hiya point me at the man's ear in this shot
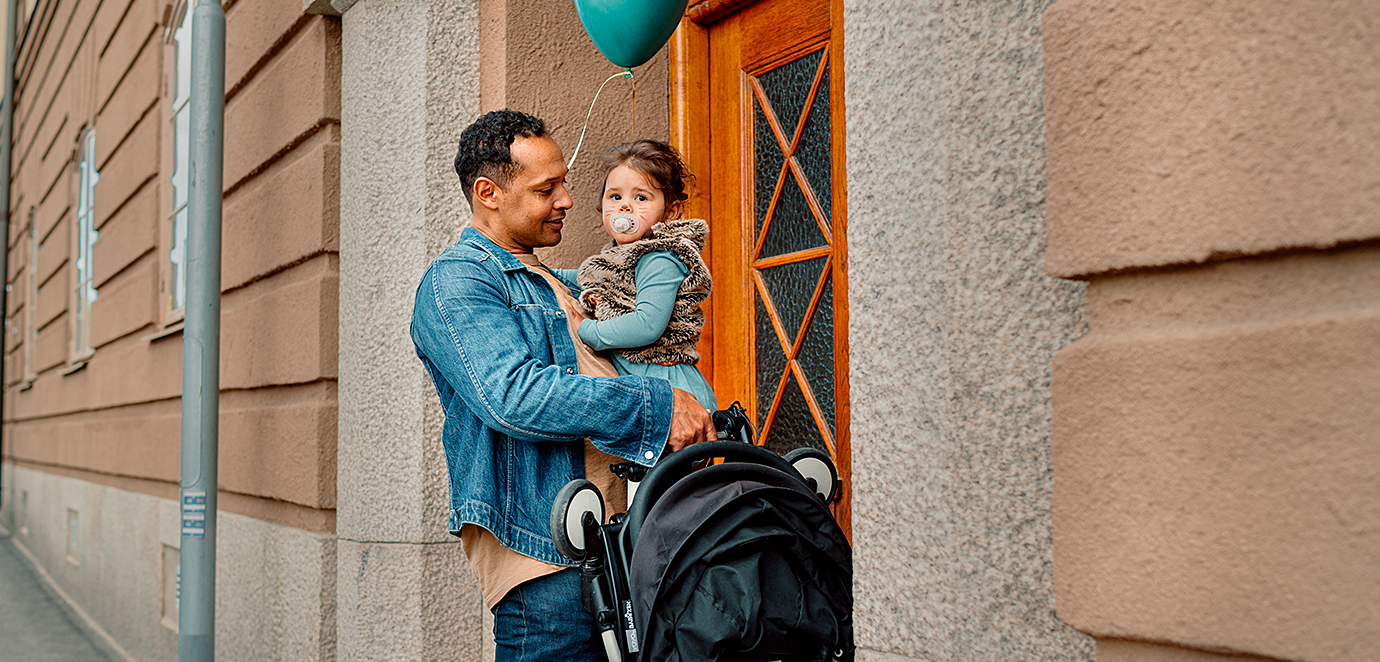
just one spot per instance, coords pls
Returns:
(487, 192)
(674, 212)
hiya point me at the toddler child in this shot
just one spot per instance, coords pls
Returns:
(646, 286)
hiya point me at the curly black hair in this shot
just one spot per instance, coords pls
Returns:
(485, 147)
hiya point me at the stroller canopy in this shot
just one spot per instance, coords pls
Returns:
(741, 561)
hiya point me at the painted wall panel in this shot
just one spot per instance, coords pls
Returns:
(129, 168)
(304, 186)
(127, 235)
(253, 30)
(1219, 487)
(132, 103)
(138, 38)
(286, 100)
(125, 304)
(281, 331)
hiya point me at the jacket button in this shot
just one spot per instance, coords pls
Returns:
(649, 455)
(569, 371)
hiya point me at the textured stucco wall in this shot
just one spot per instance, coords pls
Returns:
(411, 82)
(952, 328)
(535, 57)
(275, 585)
(409, 85)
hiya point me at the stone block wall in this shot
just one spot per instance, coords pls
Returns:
(105, 423)
(1214, 178)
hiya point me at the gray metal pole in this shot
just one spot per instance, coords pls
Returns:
(196, 623)
(6, 153)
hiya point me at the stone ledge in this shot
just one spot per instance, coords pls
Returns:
(1216, 488)
(1184, 132)
(327, 7)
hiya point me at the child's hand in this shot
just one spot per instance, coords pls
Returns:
(587, 302)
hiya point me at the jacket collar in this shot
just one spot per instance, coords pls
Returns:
(476, 239)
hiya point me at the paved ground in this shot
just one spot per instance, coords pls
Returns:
(33, 627)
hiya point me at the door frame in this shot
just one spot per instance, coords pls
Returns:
(690, 116)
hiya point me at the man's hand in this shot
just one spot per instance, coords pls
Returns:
(691, 423)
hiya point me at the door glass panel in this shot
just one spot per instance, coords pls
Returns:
(814, 151)
(817, 355)
(791, 286)
(771, 362)
(788, 88)
(767, 162)
(792, 226)
(794, 427)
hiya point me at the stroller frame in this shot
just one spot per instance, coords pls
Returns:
(604, 551)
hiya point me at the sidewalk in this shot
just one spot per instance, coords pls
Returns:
(33, 626)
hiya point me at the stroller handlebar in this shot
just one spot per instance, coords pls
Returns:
(676, 465)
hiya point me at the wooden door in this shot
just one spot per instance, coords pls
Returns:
(758, 106)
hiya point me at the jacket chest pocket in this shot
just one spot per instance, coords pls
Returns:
(546, 333)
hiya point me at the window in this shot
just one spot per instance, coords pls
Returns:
(86, 242)
(172, 585)
(24, 513)
(179, 159)
(29, 7)
(73, 529)
(31, 298)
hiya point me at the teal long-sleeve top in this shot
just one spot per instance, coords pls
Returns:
(658, 277)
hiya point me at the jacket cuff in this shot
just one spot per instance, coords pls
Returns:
(660, 405)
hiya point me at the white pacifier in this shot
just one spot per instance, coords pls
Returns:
(623, 223)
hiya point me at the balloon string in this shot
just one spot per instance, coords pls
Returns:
(626, 74)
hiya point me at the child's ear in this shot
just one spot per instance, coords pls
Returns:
(675, 210)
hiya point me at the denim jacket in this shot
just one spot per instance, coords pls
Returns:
(495, 341)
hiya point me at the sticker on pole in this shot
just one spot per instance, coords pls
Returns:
(630, 627)
(194, 513)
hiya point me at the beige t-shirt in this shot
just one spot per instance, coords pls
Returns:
(498, 568)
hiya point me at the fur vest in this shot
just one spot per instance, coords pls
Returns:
(612, 276)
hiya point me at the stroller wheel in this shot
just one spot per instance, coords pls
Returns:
(567, 514)
(817, 468)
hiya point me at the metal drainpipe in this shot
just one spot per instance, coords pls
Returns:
(6, 153)
(196, 622)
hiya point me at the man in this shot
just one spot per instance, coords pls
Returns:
(523, 413)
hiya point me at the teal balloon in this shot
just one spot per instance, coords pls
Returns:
(630, 32)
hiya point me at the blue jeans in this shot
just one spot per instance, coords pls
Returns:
(543, 620)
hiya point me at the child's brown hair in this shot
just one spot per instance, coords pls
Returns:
(655, 159)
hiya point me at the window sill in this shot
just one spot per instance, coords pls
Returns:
(175, 316)
(170, 330)
(27, 384)
(75, 366)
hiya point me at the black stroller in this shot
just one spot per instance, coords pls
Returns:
(739, 560)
